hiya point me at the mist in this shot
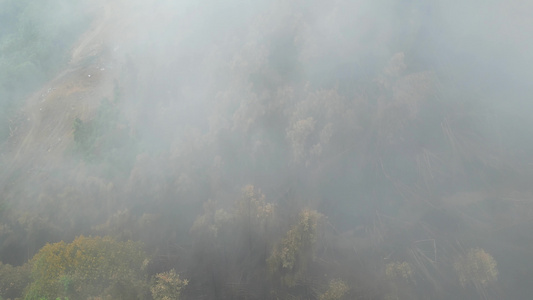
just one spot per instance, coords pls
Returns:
(266, 150)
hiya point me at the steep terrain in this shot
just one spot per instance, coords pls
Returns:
(273, 150)
(43, 129)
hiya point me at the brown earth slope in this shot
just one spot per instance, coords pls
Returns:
(43, 129)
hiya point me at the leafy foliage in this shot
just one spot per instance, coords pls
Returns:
(336, 290)
(211, 221)
(106, 138)
(167, 286)
(252, 206)
(477, 267)
(400, 276)
(291, 256)
(13, 280)
(89, 266)
(399, 271)
(303, 102)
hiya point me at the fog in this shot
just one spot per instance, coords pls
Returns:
(268, 149)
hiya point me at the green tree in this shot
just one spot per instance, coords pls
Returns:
(13, 280)
(89, 266)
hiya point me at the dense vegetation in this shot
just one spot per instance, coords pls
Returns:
(286, 150)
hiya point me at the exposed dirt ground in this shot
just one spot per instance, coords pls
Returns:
(42, 131)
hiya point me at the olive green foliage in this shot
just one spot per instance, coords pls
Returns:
(88, 136)
(252, 206)
(167, 286)
(89, 266)
(399, 271)
(13, 280)
(213, 219)
(106, 137)
(291, 256)
(337, 290)
(84, 136)
(400, 276)
(253, 214)
(477, 267)
(324, 104)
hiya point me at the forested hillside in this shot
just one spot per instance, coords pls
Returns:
(265, 150)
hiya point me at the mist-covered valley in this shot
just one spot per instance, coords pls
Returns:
(266, 150)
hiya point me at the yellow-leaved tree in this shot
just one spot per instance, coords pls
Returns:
(252, 216)
(290, 258)
(167, 286)
(477, 267)
(400, 276)
(337, 289)
(88, 267)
